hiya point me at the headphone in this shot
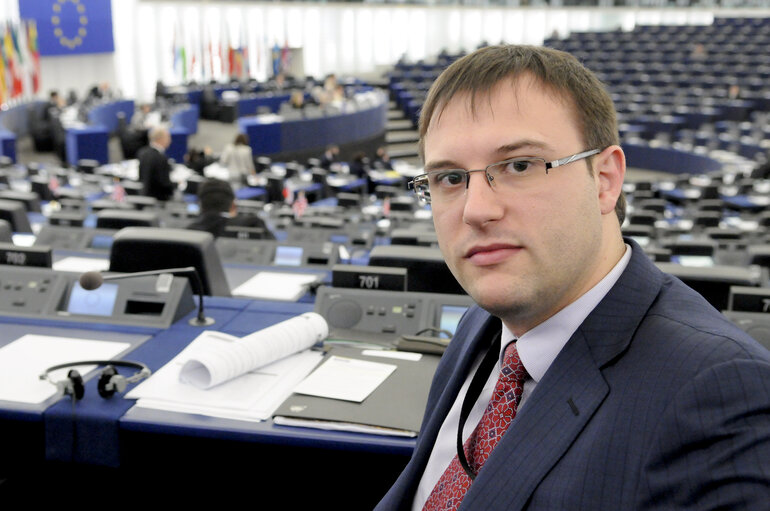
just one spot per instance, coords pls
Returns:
(109, 382)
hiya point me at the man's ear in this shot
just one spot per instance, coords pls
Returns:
(610, 168)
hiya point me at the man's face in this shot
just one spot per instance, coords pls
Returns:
(526, 253)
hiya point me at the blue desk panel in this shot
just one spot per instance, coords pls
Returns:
(186, 118)
(88, 142)
(668, 160)
(178, 147)
(8, 144)
(313, 133)
(107, 114)
(249, 105)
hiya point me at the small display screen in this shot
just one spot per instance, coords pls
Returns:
(101, 241)
(99, 302)
(288, 256)
(450, 316)
(693, 260)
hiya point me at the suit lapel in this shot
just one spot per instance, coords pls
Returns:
(567, 396)
(478, 331)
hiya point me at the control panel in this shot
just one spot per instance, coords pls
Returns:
(383, 316)
(49, 294)
(276, 253)
(80, 239)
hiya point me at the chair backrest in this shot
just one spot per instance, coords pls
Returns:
(15, 214)
(425, 266)
(154, 248)
(120, 218)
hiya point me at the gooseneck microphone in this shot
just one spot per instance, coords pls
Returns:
(91, 280)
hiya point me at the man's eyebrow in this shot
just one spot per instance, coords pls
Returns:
(441, 164)
(522, 144)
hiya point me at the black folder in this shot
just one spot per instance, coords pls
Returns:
(395, 407)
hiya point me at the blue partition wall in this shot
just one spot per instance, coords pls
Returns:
(278, 137)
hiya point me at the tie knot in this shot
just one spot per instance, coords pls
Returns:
(511, 365)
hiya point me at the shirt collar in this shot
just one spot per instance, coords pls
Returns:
(539, 347)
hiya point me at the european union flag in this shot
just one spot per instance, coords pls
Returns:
(67, 27)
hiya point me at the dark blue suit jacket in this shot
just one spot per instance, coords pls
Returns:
(671, 411)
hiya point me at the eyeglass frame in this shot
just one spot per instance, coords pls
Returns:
(548, 165)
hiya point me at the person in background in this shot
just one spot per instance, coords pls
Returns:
(382, 159)
(145, 118)
(584, 378)
(330, 156)
(199, 159)
(218, 210)
(154, 167)
(297, 99)
(238, 159)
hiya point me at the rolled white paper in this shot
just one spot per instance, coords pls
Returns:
(221, 358)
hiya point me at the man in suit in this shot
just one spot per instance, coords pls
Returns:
(219, 211)
(154, 167)
(586, 379)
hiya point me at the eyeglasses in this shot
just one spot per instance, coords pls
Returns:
(446, 185)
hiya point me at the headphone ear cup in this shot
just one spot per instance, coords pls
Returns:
(106, 385)
(77, 388)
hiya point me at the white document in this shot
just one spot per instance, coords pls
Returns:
(82, 264)
(253, 396)
(276, 285)
(25, 359)
(216, 358)
(342, 426)
(400, 355)
(345, 378)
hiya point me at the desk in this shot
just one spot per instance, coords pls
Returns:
(274, 136)
(106, 115)
(88, 142)
(153, 451)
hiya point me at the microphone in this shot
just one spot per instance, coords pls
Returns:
(91, 280)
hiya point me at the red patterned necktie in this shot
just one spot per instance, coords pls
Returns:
(454, 482)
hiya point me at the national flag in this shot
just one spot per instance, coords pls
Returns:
(299, 205)
(288, 194)
(276, 54)
(16, 85)
(34, 51)
(53, 184)
(211, 55)
(285, 57)
(118, 192)
(3, 83)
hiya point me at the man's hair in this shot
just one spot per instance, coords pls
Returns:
(156, 133)
(215, 195)
(559, 72)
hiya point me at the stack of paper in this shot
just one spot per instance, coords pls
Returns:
(242, 378)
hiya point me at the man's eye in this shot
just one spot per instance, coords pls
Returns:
(518, 166)
(449, 178)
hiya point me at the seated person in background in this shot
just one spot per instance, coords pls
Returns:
(359, 166)
(145, 118)
(297, 100)
(154, 167)
(218, 210)
(761, 171)
(382, 161)
(198, 159)
(238, 159)
(329, 156)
